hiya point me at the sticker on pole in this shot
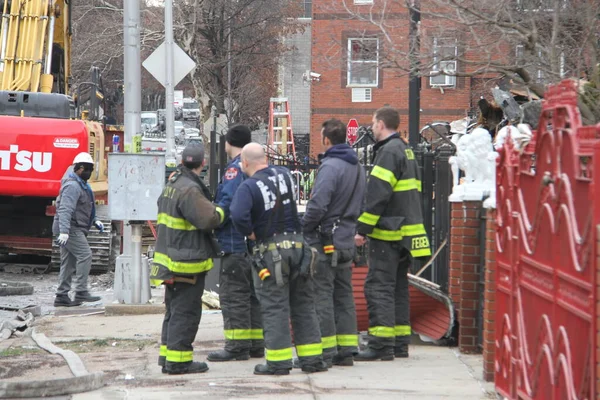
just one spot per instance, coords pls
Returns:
(352, 131)
(66, 143)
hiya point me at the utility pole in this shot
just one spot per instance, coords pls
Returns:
(229, 106)
(414, 87)
(169, 86)
(133, 89)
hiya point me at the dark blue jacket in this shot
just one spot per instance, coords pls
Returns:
(336, 185)
(230, 240)
(254, 201)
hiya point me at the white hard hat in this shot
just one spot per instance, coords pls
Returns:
(83, 158)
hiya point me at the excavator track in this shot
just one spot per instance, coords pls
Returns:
(105, 248)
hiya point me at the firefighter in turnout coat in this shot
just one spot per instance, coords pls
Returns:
(264, 210)
(241, 311)
(185, 248)
(329, 224)
(393, 221)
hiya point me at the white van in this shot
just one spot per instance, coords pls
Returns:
(149, 120)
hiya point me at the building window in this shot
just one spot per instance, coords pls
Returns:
(535, 64)
(363, 62)
(363, 1)
(540, 5)
(445, 53)
(307, 9)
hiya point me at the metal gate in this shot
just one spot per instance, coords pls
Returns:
(546, 257)
(433, 153)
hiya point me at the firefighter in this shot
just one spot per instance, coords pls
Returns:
(241, 310)
(393, 221)
(330, 224)
(185, 248)
(75, 215)
(264, 210)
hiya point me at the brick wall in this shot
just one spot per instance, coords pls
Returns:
(489, 310)
(331, 97)
(465, 266)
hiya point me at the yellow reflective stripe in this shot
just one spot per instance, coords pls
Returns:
(309, 350)
(388, 236)
(406, 230)
(183, 267)
(369, 219)
(347, 340)
(156, 282)
(404, 185)
(179, 356)
(384, 174)
(420, 253)
(402, 330)
(413, 230)
(163, 350)
(279, 355)
(328, 342)
(243, 334)
(179, 224)
(382, 331)
(256, 334)
(221, 214)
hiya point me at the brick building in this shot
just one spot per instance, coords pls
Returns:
(349, 53)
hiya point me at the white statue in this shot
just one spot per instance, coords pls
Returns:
(475, 156)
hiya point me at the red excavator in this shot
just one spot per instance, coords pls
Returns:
(42, 129)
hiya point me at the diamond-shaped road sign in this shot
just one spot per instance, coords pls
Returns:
(156, 65)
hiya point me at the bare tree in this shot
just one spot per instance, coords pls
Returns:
(241, 34)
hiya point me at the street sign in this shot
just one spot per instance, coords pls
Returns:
(156, 64)
(352, 131)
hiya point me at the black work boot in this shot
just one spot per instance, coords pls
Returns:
(86, 297)
(266, 369)
(319, 366)
(343, 360)
(257, 353)
(190, 367)
(63, 300)
(224, 355)
(162, 361)
(371, 354)
(401, 351)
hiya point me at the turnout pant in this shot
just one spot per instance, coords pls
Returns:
(386, 291)
(183, 302)
(335, 306)
(241, 310)
(75, 259)
(295, 299)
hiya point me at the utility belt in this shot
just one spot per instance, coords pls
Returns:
(304, 266)
(337, 258)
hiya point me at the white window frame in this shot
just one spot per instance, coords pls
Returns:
(521, 8)
(350, 62)
(436, 71)
(360, 2)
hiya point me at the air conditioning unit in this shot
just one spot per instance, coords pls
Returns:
(439, 78)
(361, 95)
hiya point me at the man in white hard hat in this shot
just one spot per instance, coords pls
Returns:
(75, 215)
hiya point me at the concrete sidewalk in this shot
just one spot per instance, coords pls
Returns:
(430, 373)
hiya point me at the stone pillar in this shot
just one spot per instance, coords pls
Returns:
(489, 307)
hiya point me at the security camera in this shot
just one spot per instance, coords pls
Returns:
(315, 75)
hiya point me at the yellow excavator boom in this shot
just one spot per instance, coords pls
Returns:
(35, 45)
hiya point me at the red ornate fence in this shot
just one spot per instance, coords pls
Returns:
(546, 257)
